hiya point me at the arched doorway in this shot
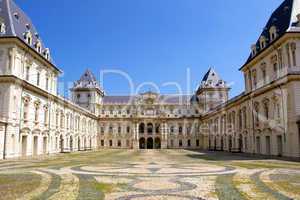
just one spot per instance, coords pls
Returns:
(150, 143)
(142, 143)
(157, 143)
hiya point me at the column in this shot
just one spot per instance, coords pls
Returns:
(136, 135)
(164, 135)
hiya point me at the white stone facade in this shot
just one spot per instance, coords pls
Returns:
(264, 119)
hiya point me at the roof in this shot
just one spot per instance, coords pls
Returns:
(87, 81)
(17, 24)
(212, 80)
(163, 99)
(284, 18)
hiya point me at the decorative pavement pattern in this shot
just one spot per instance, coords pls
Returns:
(149, 175)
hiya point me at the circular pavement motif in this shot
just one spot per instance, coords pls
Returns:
(154, 169)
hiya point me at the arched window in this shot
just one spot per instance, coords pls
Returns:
(47, 53)
(262, 41)
(38, 46)
(142, 128)
(180, 129)
(150, 128)
(253, 50)
(273, 33)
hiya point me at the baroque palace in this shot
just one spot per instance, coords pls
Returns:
(264, 119)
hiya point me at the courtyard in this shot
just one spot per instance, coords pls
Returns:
(149, 174)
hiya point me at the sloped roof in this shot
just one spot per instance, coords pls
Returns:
(17, 24)
(87, 81)
(284, 18)
(212, 80)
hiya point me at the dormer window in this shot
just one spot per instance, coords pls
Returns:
(2, 28)
(28, 26)
(262, 41)
(273, 33)
(253, 50)
(16, 16)
(28, 37)
(38, 46)
(47, 53)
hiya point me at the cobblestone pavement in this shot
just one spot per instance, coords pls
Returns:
(149, 174)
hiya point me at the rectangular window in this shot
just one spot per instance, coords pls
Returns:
(36, 116)
(189, 143)
(102, 143)
(110, 143)
(47, 84)
(27, 73)
(38, 78)
(46, 117)
(119, 143)
(197, 143)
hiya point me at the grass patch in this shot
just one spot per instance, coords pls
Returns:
(257, 165)
(225, 188)
(14, 186)
(288, 182)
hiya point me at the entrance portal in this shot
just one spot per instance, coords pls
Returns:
(157, 143)
(35, 145)
(24, 146)
(150, 143)
(142, 143)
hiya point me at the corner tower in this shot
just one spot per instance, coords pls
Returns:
(212, 91)
(87, 93)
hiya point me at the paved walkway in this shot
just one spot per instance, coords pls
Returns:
(149, 174)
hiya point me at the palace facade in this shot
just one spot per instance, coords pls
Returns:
(264, 119)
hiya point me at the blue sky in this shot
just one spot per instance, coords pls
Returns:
(151, 40)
